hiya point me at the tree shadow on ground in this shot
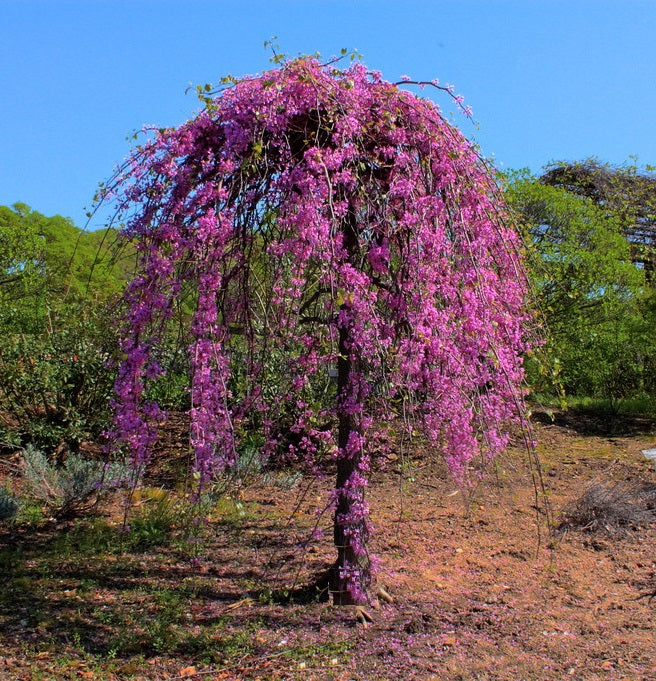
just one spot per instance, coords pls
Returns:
(596, 423)
(67, 587)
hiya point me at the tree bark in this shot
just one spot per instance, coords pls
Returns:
(348, 365)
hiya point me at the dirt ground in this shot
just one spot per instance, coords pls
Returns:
(481, 589)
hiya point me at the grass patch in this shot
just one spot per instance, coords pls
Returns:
(633, 406)
(92, 592)
(641, 406)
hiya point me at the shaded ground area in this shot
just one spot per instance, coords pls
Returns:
(594, 422)
(481, 590)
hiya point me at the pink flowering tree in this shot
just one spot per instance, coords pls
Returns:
(323, 222)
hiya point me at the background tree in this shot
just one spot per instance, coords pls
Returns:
(22, 268)
(625, 194)
(592, 294)
(55, 283)
(47, 263)
(319, 218)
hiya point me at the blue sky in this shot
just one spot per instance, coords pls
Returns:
(547, 80)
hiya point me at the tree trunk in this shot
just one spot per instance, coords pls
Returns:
(351, 572)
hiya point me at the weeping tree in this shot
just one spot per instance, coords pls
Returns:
(322, 222)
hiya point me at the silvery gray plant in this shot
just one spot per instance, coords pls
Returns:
(71, 487)
(9, 505)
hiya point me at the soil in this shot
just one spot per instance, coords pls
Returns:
(480, 587)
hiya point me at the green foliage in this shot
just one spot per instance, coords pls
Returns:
(48, 262)
(171, 391)
(55, 331)
(632, 406)
(592, 295)
(580, 258)
(626, 192)
(150, 525)
(154, 521)
(55, 387)
(22, 269)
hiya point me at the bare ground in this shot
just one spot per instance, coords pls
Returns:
(480, 588)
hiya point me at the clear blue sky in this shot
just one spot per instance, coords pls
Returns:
(547, 79)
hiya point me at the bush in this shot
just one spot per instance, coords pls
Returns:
(611, 508)
(171, 390)
(9, 505)
(70, 489)
(55, 387)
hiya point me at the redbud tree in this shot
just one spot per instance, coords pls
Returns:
(323, 221)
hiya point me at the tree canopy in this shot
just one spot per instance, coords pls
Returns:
(625, 193)
(592, 293)
(46, 261)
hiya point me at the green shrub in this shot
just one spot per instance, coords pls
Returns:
(171, 391)
(55, 387)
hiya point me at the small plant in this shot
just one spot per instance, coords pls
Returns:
(611, 508)
(9, 505)
(69, 489)
(252, 466)
(156, 518)
(88, 538)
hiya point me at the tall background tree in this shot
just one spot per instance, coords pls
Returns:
(22, 269)
(625, 194)
(590, 232)
(315, 218)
